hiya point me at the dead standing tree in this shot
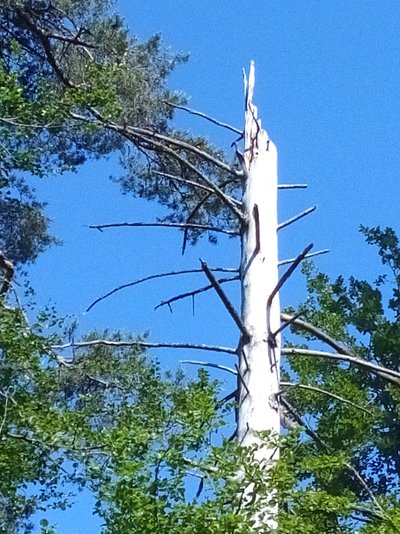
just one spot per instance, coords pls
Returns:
(259, 323)
(261, 408)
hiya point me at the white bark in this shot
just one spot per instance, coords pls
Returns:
(259, 359)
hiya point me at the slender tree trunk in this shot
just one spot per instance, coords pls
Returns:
(260, 349)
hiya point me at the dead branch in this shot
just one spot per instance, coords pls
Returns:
(194, 292)
(280, 283)
(289, 272)
(324, 392)
(291, 260)
(318, 333)
(210, 364)
(384, 372)
(338, 346)
(227, 303)
(287, 323)
(296, 218)
(141, 344)
(153, 277)
(292, 186)
(165, 225)
(204, 116)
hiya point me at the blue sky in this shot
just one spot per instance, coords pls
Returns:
(328, 93)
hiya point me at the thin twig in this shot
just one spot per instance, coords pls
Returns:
(296, 218)
(190, 218)
(164, 225)
(194, 292)
(153, 277)
(291, 260)
(204, 116)
(227, 303)
(324, 392)
(210, 364)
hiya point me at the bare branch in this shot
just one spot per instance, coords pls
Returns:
(296, 218)
(384, 372)
(194, 292)
(227, 303)
(280, 283)
(165, 225)
(324, 392)
(318, 333)
(204, 116)
(287, 323)
(289, 273)
(12, 122)
(142, 344)
(153, 277)
(292, 186)
(291, 260)
(210, 364)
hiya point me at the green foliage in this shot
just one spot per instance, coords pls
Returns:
(348, 457)
(61, 65)
(105, 418)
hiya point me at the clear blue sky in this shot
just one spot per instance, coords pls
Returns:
(328, 92)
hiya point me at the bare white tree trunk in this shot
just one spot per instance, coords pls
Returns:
(260, 348)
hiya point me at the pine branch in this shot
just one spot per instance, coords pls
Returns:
(153, 145)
